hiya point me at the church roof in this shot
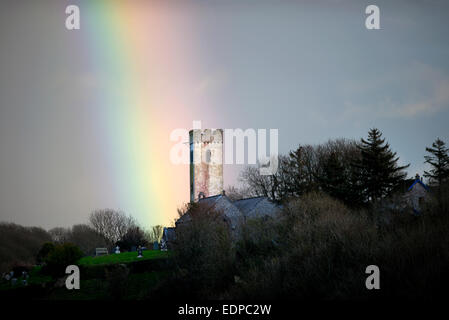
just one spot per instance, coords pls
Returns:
(239, 209)
(418, 180)
(257, 207)
(210, 200)
(248, 204)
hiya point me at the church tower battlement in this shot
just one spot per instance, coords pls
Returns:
(206, 163)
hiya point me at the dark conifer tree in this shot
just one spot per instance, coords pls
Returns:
(439, 162)
(332, 178)
(379, 170)
(340, 180)
(300, 173)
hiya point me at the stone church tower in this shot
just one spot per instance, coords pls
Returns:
(206, 163)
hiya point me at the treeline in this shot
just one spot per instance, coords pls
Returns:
(107, 228)
(333, 224)
(355, 172)
(19, 245)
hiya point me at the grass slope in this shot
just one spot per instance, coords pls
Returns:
(122, 257)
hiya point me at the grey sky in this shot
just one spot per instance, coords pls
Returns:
(311, 70)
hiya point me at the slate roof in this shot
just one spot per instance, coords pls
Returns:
(211, 201)
(256, 207)
(222, 203)
(417, 180)
(238, 210)
(246, 205)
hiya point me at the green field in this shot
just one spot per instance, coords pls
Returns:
(137, 285)
(123, 257)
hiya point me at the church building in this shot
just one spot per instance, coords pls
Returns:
(206, 184)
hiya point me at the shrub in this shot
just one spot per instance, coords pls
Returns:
(60, 257)
(133, 237)
(323, 250)
(203, 251)
(45, 250)
(313, 244)
(317, 248)
(117, 280)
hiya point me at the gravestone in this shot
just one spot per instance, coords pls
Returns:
(163, 245)
(155, 245)
(117, 250)
(139, 252)
(101, 251)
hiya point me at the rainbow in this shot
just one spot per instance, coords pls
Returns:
(140, 55)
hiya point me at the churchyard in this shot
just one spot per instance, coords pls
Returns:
(102, 277)
(123, 257)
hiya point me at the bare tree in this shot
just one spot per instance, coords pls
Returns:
(302, 171)
(271, 186)
(86, 238)
(236, 193)
(111, 224)
(155, 234)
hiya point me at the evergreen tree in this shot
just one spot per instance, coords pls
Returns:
(340, 180)
(439, 161)
(299, 168)
(332, 179)
(379, 170)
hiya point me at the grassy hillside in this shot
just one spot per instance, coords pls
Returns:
(100, 278)
(124, 257)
